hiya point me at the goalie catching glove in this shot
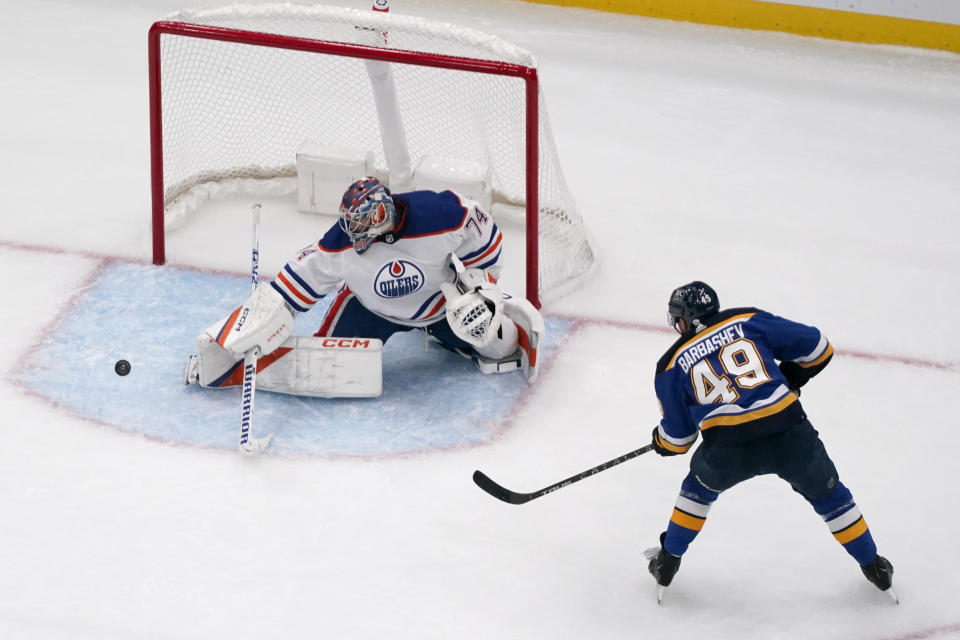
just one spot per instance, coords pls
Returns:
(264, 321)
(504, 331)
(474, 307)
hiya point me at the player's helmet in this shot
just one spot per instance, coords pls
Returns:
(366, 211)
(693, 302)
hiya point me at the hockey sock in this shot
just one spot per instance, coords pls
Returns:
(689, 515)
(847, 525)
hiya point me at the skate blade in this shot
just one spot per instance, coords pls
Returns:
(893, 596)
(661, 591)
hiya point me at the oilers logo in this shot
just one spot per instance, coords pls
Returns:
(397, 279)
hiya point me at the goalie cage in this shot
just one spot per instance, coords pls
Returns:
(236, 91)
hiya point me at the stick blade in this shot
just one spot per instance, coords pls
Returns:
(500, 493)
(255, 446)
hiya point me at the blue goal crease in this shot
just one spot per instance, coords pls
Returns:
(151, 316)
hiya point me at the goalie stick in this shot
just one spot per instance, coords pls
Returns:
(248, 445)
(514, 497)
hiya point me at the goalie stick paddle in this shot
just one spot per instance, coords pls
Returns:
(483, 481)
(248, 445)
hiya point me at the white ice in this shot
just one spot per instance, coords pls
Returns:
(813, 178)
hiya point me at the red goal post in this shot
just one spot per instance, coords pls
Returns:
(235, 91)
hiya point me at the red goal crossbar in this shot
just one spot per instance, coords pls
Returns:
(527, 74)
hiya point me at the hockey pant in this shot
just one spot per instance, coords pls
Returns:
(798, 456)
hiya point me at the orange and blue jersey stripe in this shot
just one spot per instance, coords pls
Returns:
(431, 307)
(294, 290)
(335, 311)
(487, 255)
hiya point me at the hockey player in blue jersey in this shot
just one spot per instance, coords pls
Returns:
(721, 379)
(420, 260)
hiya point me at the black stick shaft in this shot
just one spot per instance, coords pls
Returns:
(513, 497)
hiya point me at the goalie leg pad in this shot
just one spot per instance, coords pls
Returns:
(214, 366)
(530, 331)
(327, 368)
(303, 366)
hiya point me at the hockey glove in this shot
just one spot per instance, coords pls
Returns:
(798, 375)
(658, 445)
(263, 321)
(795, 374)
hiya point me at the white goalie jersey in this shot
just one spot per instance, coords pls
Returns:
(399, 276)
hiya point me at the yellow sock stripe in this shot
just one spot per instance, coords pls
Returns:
(686, 520)
(852, 532)
(800, 20)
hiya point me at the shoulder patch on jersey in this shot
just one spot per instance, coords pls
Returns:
(306, 251)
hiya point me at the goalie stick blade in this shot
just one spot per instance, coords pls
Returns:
(255, 446)
(500, 493)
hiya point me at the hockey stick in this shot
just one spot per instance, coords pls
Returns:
(248, 445)
(514, 497)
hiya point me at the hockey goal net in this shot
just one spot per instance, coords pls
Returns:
(235, 92)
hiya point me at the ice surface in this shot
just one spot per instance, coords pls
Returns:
(156, 323)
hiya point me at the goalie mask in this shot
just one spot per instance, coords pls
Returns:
(692, 303)
(366, 212)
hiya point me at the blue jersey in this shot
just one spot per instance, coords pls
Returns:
(725, 380)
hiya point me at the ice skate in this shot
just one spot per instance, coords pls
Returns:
(663, 566)
(879, 572)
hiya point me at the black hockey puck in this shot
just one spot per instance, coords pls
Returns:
(122, 367)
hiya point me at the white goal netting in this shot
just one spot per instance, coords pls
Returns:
(240, 88)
